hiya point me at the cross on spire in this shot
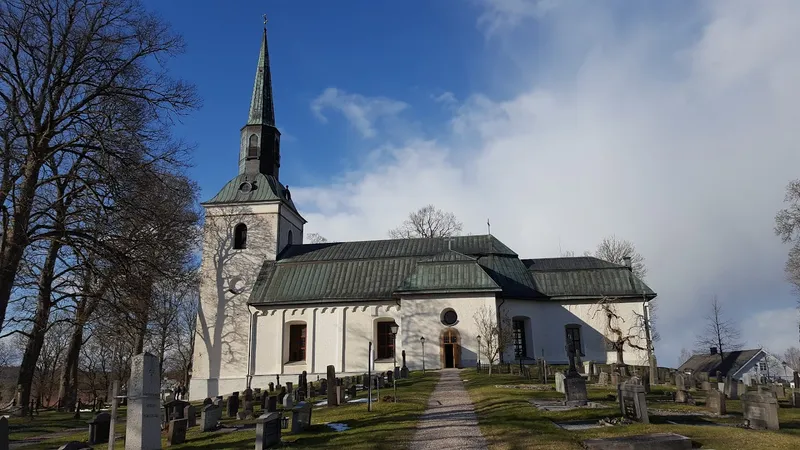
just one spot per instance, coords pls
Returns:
(265, 20)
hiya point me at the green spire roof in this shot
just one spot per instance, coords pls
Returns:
(262, 110)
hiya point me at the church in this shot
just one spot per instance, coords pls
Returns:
(271, 305)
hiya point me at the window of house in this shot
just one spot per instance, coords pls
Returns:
(297, 342)
(252, 146)
(385, 340)
(240, 236)
(519, 339)
(574, 336)
(762, 366)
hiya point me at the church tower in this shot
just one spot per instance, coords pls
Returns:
(250, 221)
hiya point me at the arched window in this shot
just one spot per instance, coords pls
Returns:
(290, 237)
(386, 339)
(240, 236)
(252, 146)
(573, 331)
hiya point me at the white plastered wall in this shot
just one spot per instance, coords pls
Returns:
(547, 334)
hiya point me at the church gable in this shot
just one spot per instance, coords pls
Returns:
(448, 272)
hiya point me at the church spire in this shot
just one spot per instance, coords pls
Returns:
(260, 150)
(262, 110)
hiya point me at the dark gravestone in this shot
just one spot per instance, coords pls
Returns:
(268, 430)
(333, 399)
(301, 417)
(795, 399)
(99, 428)
(632, 402)
(177, 432)
(351, 391)
(190, 414)
(4, 439)
(281, 395)
(272, 403)
(233, 405)
(404, 369)
(654, 441)
(210, 417)
(271, 387)
(389, 376)
(797, 380)
(174, 409)
(574, 385)
(761, 410)
(207, 401)
(323, 387)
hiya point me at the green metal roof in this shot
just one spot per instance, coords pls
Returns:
(446, 273)
(262, 110)
(263, 188)
(384, 269)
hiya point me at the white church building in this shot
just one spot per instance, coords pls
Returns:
(273, 306)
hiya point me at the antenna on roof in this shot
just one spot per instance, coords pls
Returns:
(488, 226)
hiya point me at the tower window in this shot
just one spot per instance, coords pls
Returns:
(240, 236)
(252, 146)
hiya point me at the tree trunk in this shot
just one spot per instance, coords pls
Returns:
(17, 239)
(41, 318)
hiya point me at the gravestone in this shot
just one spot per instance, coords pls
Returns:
(323, 387)
(682, 396)
(680, 382)
(143, 427)
(288, 399)
(779, 390)
(333, 399)
(190, 414)
(574, 385)
(715, 402)
(210, 416)
(614, 378)
(404, 369)
(653, 441)
(797, 380)
(603, 380)
(207, 401)
(272, 403)
(271, 387)
(174, 409)
(732, 389)
(218, 401)
(646, 382)
(352, 391)
(268, 430)
(761, 410)
(632, 402)
(301, 417)
(233, 405)
(795, 399)
(4, 439)
(340, 394)
(588, 368)
(706, 386)
(389, 376)
(560, 382)
(99, 428)
(281, 395)
(177, 432)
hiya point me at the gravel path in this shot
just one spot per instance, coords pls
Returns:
(449, 421)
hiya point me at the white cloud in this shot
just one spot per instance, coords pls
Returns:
(362, 112)
(684, 151)
(505, 14)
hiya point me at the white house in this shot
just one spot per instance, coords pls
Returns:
(273, 306)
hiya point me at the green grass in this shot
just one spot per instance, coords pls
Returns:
(389, 425)
(508, 421)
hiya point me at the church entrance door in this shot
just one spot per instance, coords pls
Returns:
(450, 349)
(448, 356)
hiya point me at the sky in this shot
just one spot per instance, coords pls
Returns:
(669, 124)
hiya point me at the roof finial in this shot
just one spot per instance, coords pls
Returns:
(489, 226)
(265, 21)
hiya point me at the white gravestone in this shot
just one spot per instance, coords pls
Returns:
(143, 429)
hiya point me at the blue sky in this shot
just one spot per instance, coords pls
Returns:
(670, 124)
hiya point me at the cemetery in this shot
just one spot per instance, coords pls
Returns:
(259, 418)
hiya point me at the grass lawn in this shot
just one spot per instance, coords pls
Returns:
(508, 421)
(389, 425)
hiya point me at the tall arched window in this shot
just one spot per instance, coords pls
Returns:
(290, 237)
(252, 146)
(240, 236)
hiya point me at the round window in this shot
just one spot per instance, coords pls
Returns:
(236, 285)
(449, 317)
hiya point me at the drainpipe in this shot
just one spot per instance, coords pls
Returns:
(251, 336)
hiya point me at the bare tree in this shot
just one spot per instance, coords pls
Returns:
(719, 332)
(685, 355)
(787, 227)
(615, 250)
(428, 222)
(792, 358)
(86, 79)
(619, 332)
(495, 331)
(315, 238)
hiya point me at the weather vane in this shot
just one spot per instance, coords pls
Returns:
(265, 19)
